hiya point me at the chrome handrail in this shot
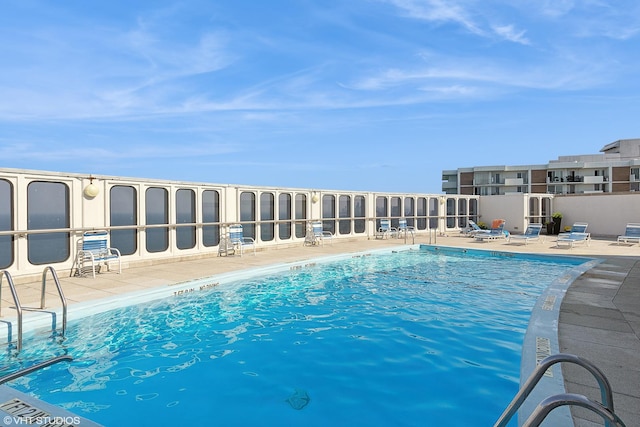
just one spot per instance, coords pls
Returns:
(18, 307)
(35, 367)
(536, 375)
(553, 402)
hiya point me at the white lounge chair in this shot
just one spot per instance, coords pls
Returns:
(577, 227)
(386, 230)
(316, 235)
(531, 234)
(497, 232)
(572, 239)
(471, 229)
(239, 240)
(404, 229)
(94, 249)
(631, 234)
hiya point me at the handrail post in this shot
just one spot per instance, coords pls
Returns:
(63, 300)
(16, 301)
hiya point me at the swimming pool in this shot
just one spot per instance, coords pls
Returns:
(411, 338)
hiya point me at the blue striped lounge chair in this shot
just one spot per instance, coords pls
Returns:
(239, 240)
(531, 234)
(631, 234)
(316, 235)
(93, 250)
(497, 232)
(572, 239)
(577, 227)
(405, 229)
(385, 230)
(471, 229)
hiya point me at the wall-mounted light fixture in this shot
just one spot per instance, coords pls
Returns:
(91, 190)
(314, 197)
(443, 199)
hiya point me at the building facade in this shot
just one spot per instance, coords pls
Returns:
(616, 169)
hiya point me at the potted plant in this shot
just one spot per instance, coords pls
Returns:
(557, 221)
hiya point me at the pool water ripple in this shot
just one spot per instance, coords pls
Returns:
(405, 339)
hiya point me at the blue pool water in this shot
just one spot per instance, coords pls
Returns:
(416, 338)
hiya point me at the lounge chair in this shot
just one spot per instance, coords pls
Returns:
(577, 227)
(531, 234)
(386, 230)
(471, 229)
(94, 249)
(239, 240)
(497, 232)
(571, 239)
(316, 235)
(404, 229)
(631, 234)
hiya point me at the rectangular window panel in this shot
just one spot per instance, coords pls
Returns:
(210, 213)
(284, 214)
(248, 213)
(123, 211)
(6, 224)
(329, 213)
(344, 211)
(185, 214)
(48, 208)
(267, 213)
(421, 213)
(396, 210)
(409, 210)
(157, 212)
(301, 215)
(359, 211)
(381, 209)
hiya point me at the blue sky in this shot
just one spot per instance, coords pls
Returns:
(377, 95)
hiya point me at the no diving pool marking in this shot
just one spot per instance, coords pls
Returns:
(199, 288)
(543, 349)
(23, 410)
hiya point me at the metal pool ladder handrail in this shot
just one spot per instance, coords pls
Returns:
(537, 374)
(63, 300)
(18, 307)
(550, 403)
(35, 367)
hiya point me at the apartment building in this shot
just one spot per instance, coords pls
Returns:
(616, 169)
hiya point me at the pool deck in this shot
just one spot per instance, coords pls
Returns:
(599, 316)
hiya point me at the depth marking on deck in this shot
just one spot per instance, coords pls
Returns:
(543, 349)
(549, 302)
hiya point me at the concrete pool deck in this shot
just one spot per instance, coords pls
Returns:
(599, 316)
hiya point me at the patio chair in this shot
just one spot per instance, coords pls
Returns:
(577, 227)
(386, 230)
(497, 232)
(405, 229)
(94, 249)
(572, 239)
(316, 234)
(471, 229)
(239, 240)
(531, 234)
(631, 234)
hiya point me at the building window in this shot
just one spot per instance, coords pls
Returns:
(359, 211)
(123, 211)
(248, 214)
(329, 213)
(6, 223)
(344, 211)
(301, 215)
(267, 215)
(185, 214)
(421, 212)
(157, 212)
(47, 209)
(381, 209)
(210, 214)
(396, 210)
(284, 214)
(409, 211)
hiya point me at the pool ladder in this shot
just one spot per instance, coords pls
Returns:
(604, 409)
(19, 308)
